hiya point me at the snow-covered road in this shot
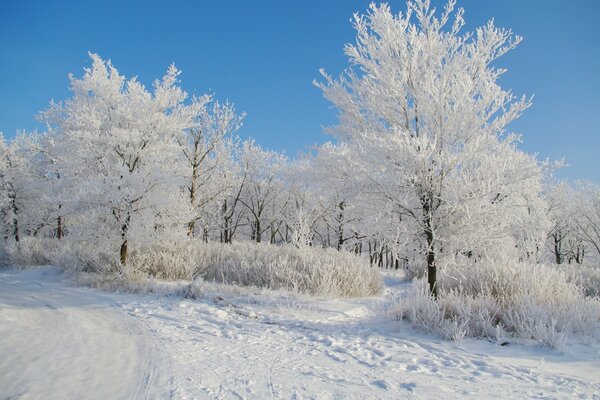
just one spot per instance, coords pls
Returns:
(63, 342)
(60, 341)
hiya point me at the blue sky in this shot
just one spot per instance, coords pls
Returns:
(263, 56)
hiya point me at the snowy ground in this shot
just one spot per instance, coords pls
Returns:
(60, 341)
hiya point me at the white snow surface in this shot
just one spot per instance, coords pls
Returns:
(63, 341)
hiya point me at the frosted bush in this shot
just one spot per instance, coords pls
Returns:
(310, 270)
(133, 282)
(585, 276)
(29, 251)
(84, 257)
(521, 300)
(70, 255)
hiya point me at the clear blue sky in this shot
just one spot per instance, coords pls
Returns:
(263, 55)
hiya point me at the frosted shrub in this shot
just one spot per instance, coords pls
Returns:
(168, 261)
(585, 276)
(29, 251)
(527, 301)
(82, 256)
(70, 255)
(307, 270)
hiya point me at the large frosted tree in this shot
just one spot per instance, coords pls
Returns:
(118, 154)
(425, 122)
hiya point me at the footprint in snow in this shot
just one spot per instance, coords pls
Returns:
(380, 383)
(408, 386)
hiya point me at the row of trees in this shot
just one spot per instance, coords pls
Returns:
(423, 171)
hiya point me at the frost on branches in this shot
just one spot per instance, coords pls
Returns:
(125, 155)
(425, 123)
(424, 173)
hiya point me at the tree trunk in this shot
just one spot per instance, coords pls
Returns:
(225, 230)
(431, 268)
(59, 225)
(59, 228)
(123, 256)
(124, 229)
(16, 229)
(579, 255)
(431, 257)
(340, 226)
(257, 235)
(557, 250)
(15, 210)
(193, 188)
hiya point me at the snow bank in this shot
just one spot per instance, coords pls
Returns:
(500, 300)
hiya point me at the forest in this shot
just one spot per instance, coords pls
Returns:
(422, 173)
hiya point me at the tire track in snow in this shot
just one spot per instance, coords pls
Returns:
(63, 342)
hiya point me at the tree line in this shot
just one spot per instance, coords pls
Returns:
(422, 169)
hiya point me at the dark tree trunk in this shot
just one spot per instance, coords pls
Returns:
(431, 267)
(257, 233)
(123, 252)
(16, 229)
(123, 255)
(225, 230)
(59, 228)
(195, 165)
(15, 210)
(341, 226)
(59, 225)
(557, 249)
(431, 256)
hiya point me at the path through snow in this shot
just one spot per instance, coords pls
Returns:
(64, 342)
(235, 344)
(250, 346)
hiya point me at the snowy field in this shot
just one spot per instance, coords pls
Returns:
(62, 341)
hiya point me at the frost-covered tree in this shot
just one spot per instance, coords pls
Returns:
(229, 212)
(23, 207)
(574, 212)
(425, 122)
(118, 154)
(588, 220)
(206, 148)
(333, 181)
(563, 240)
(263, 170)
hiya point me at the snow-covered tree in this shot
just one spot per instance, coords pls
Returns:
(118, 154)
(23, 208)
(425, 122)
(574, 212)
(563, 241)
(263, 188)
(333, 181)
(588, 220)
(206, 149)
